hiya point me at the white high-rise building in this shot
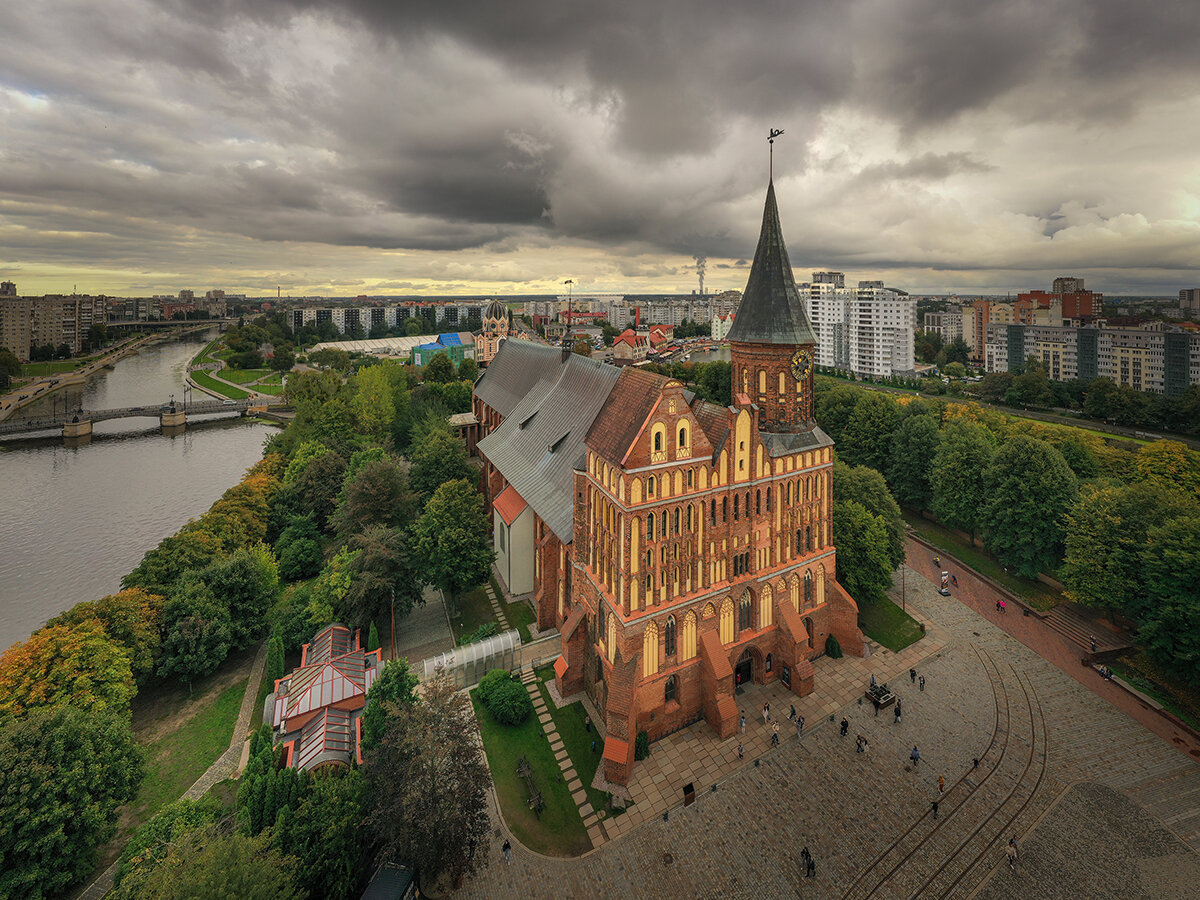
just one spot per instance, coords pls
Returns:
(827, 302)
(880, 327)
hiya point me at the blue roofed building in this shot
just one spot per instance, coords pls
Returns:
(458, 345)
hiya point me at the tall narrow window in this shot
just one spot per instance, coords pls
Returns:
(758, 503)
(669, 636)
(669, 689)
(662, 521)
(690, 477)
(713, 511)
(745, 613)
(650, 527)
(650, 486)
(808, 588)
(657, 441)
(724, 509)
(675, 519)
(735, 507)
(683, 438)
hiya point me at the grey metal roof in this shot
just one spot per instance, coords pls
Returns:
(517, 367)
(539, 444)
(790, 442)
(771, 311)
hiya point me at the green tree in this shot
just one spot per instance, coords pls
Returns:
(835, 404)
(395, 686)
(452, 539)
(150, 842)
(994, 386)
(429, 765)
(208, 862)
(1169, 464)
(468, 371)
(324, 833)
(283, 359)
(439, 370)
(198, 633)
(1106, 534)
(866, 487)
(373, 404)
(373, 637)
(190, 548)
(130, 620)
(1031, 387)
(379, 494)
(911, 464)
(439, 457)
(1029, 488)
(863, 566)
(330, 587)
(867, 440)
(9, 364)
(714, 382)
(299, 549)
(958, 475)
(383, 575)
(275, 664)
(247, 583)
(318, 485)
(1171, 623)
(76, 665)
(64, 772)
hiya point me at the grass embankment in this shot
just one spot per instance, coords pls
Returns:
(1038, 595)
(889, 625)
(1137, 668)
(207, 381)
(559, 830)
(570, 721)
(52, 367)
(244, 376)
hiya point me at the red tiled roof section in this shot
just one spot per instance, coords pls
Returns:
(572, 622)
(510, 505)
(714, 421)
(623, 414)
(616, 750)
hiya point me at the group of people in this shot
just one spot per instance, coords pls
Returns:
(1001, 606)
(861, 745)
(1106, 673)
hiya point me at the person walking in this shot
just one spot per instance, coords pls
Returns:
(792, 713)
(912, 675)
(741, 749)
(1011, 851)
(858, 742)
(997, 605)
(799, 727)
(975, 762)
(766, 713)
(507, 848)
(941, 785)
(742, 723)
(1012, 842)
(872, 679)
(915, 756)
(896, 713)
(811, 870)
(774, 734)
(921, 682)
(845, 726)
(935, 809)
(1092, 640)
(1003, 606)
(805, 856)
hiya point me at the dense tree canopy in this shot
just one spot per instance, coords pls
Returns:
(377, 494)
(63, 774)
(958, 475)
(74, 664)
(130, 620)
(1170, 624)
(911, 464)
(1029, 489)
(198, 632)
(439, 369)
(429, 765)
(867, 440)
(326, 836)
(866, 487)
(863, 565)
(438, 457)
(452, 538)
(396, 684)
(384, 575)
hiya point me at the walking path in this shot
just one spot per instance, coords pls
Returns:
(497, 606)
(227, 765)
(1052, 756)
(426, 630)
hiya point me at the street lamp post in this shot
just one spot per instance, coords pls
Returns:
(393, 592)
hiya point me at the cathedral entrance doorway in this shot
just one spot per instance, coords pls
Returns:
(743, 672)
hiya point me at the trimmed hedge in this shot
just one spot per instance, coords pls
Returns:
(832, 648)
(509, 703)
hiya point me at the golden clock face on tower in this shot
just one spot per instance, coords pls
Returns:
(802, 363)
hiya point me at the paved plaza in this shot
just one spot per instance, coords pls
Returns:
(1100, 806)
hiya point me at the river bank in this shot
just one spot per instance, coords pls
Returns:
(77, 519)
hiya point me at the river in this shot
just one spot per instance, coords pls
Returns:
(75, 520)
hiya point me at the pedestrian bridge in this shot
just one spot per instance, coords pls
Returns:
(170, 415)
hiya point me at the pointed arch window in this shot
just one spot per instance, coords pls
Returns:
(650, 484)
(669, 636)
(650, 527)
(745, 612)
(735, 507)
(669, 689)
(658, 442)
(675, 520)
(758, 503)
(808, 588)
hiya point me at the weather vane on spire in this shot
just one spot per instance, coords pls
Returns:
(775, 132)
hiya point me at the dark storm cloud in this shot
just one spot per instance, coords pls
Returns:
(633, 127)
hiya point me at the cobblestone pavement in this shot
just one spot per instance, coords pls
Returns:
(426, 631)
(867, 817)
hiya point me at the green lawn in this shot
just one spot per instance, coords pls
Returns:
(51, 367)
(559, 830)
(205, 380)
(244, 376)
(176, 759)
(889, 625)
(577, 741)
(1038, 595)
(1137, 668)
(520, 616)
(474, 609)
(273, 389)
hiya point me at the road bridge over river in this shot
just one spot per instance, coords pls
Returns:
(170, 415)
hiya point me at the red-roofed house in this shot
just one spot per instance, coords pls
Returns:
(629, 347)
(514, 540)
(315, 710)
(659, 336)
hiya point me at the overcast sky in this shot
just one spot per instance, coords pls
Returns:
(411, 146)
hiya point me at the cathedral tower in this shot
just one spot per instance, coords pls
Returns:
(772, 341)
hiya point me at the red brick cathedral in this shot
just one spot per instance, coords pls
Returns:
(679, 547)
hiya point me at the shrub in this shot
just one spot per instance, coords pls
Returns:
(509, 703)
(373, 638)
(488, 684)
(832, 648)
(641, 746)
(486, 630)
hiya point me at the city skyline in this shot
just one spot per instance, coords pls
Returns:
(360, 149)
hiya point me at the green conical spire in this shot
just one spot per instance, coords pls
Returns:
(771, 311)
